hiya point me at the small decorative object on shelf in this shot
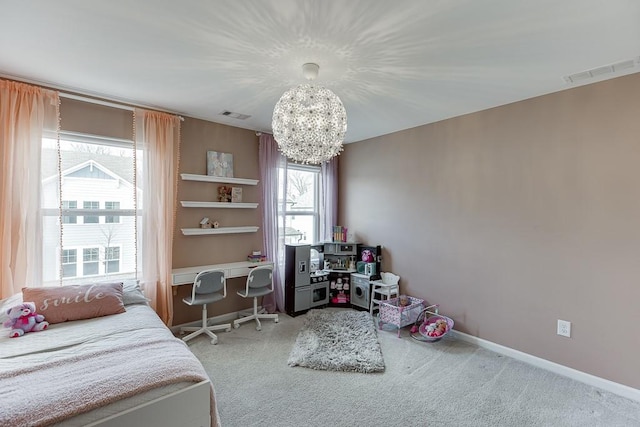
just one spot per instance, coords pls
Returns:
(219, 164)
(224, 193)
(236, 194)
(205, 223)
(256, 256)
(216, 224)
(339, 233)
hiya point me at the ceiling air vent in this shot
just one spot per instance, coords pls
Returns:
(235, 115)
(601, 71)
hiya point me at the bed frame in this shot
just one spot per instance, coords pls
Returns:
(189, 407)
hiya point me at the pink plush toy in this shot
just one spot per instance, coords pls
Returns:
(23, 318)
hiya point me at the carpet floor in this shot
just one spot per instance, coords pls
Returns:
(447, 383)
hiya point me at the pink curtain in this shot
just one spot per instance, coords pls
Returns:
(270, 161)
(158, 134)
(25, 113)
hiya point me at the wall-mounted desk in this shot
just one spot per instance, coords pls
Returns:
(186, 275)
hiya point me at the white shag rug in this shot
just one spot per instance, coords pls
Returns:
(338, 341)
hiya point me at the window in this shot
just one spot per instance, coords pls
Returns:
(112, 260)
(95, 179)
(90, 261)
(69, 204)
(300, 222)
(69, 262)
(111, 219)
(91, 219)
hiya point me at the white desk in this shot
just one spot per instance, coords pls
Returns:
(186, 275)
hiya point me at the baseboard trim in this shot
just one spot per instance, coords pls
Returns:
(583, 377)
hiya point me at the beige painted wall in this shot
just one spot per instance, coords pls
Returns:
(514, 217)
(198, 137)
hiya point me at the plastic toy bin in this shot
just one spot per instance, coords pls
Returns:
(400, 316)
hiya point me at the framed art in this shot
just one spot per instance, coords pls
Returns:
(219, 164)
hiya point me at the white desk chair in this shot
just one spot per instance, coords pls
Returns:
(259, 283)
(209, 286)
(387, 287)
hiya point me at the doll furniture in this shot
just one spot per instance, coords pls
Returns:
(386, 288)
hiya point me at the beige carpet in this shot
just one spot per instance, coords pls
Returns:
(448, 383)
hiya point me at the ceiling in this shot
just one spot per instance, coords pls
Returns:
(395, 64)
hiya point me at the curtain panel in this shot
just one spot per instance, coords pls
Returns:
(26, 112)
(271, 162)
(158, 135)
(328, 198)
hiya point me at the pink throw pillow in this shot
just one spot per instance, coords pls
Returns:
(75, 302)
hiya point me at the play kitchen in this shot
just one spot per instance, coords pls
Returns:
(329, 274)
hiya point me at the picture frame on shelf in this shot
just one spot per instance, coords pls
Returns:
(236, 194)
(219, 164)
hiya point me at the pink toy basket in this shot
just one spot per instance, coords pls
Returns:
(391, 312)
(428, 316)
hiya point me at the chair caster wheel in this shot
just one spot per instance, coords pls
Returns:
(258, 328)
(276, 320)
(236, 326)
(228, 330)
(214, 342)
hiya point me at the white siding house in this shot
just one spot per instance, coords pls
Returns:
(94, 244)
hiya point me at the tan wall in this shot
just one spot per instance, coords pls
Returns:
(198, 137)
(514, 217)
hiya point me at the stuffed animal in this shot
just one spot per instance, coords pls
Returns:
(23, 318)
(367, 255)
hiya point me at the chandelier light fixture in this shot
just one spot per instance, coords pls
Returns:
(309, 121)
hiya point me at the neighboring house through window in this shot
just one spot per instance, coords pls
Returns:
(69, 204)
(91, 219)
(111, 219)
(90, 261)
(96, 184)
(69, 263)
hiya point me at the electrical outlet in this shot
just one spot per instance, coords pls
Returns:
(564, 328)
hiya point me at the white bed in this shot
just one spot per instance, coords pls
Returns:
(125, 369)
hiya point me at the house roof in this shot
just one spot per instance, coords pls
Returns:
(70, 159)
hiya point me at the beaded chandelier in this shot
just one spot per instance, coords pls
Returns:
(309, 121)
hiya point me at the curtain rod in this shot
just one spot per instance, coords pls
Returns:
(101, 102)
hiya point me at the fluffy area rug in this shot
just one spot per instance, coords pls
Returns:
(338, 341)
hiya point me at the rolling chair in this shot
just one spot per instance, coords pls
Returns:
(209, 286)
(259, 283)
(387, 287)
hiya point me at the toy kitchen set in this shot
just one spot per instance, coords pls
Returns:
(333, 274)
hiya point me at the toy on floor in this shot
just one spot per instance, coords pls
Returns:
(23, 318)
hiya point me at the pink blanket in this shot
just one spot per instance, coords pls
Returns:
(47, 393)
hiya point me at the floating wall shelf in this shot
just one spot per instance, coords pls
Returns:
(228, 205)
(220, 179)
(221, 230)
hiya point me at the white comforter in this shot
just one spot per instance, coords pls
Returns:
(74, 367)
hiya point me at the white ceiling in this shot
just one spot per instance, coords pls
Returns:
(395, 64)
